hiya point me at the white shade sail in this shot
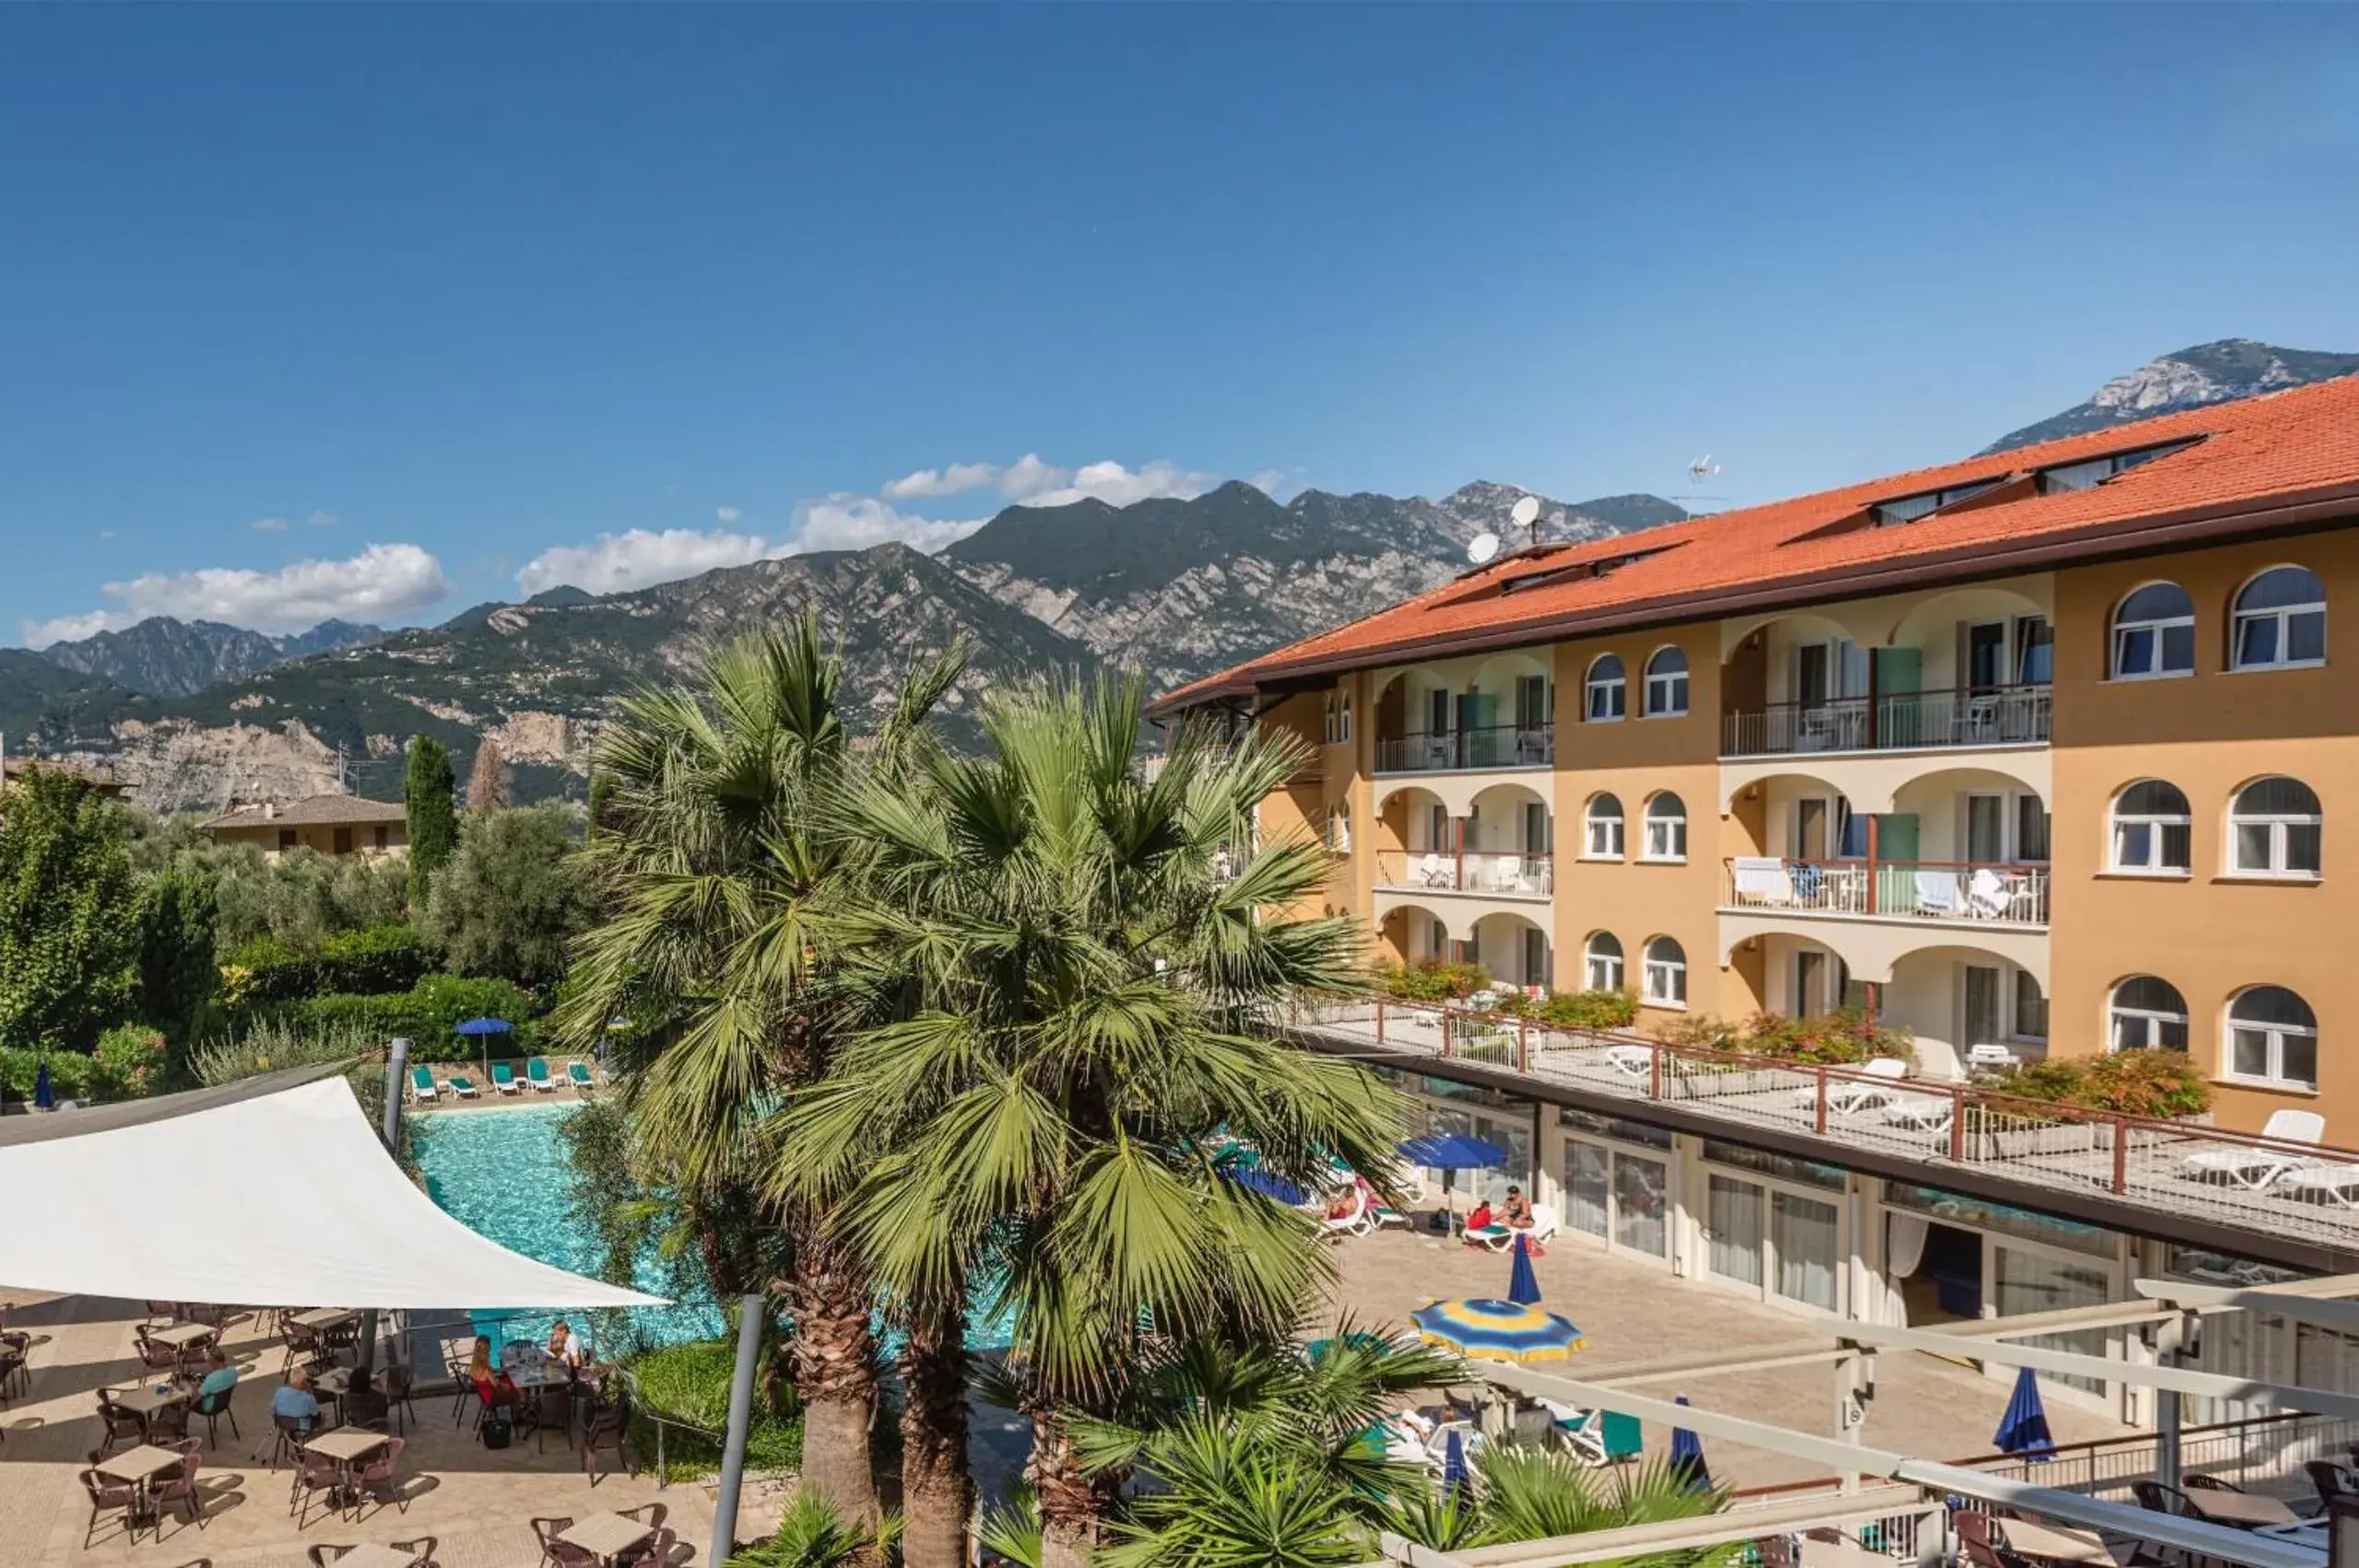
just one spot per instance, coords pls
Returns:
(250, 1196)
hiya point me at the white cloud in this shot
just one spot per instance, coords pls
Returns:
(952, 481)
(383, 582)
(1028, 476)
(616, 563)
(322, 520)
(729, 514)
(1117, 486)
(856, 522)
(268, 525)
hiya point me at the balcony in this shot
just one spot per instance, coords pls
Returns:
(1511, 874)
(1443, 751)
(1948, 892)
(1975, 716)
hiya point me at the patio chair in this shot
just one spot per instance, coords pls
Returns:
(1921, 1113)
(167, 1311)
(1761, 879)
(2332, 1480)
(421, 1086)
(2156, 1498)
(1985, 895)
(1631, 1061)
(1581, 1432)
(1981, 1548)
(607, 1429)
(213, 1407)
(168, 1424)
(462, 1086)
(290, 1440)
(655, 1554)
(314, 1474)
(504, 1078)
(375, 1476)
(107, 1494)
(578, 1075)
(301, 1340)
(394, 1382)
(2256, 1168)
(1848, 1096)
(323, 1554)
(1384, 1216)
(555, 1554)
(12, 1366)
(179, 1486)
(1937, 893)
(537, 1073)
(125, 1426)
(651, 1515)
(421, 1551)
(159, 1356)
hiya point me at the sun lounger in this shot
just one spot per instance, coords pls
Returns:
(2246, 1167)
(421, 1085)
(578, 1075)
(1355, 1221)
(504, 1078)
(1631, 1061)
(1385, 1217)
(1849, 1096)
(1921, 1113)
(462, 1086)
(2321, 1183)
(1499, 1238)
(537, 1074)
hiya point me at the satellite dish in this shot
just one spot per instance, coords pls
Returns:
(1525, 510)
(1481, 547)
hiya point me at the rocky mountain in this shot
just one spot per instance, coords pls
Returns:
(2209, 372)
(164, 657)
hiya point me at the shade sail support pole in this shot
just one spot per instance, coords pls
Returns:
(389, 1129)
(733, 1452)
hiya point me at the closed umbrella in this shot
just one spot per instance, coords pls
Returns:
(1454, 1471)
(1687, 1457)
(2024, 1429)
(44, 1097)
(484, 1028)
(1522, 1285)
(1496, 1330)
(1448, 1153)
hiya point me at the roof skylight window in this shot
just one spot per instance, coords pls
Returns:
(1909, 507)
(2067, 478)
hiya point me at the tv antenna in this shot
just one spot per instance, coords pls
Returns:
(1481, 547)
(1698, 472)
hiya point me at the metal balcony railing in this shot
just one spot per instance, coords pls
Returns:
(1982, 715)
(1505, 873)
(1498, 746)
(1948, 891)
(2270, 1187)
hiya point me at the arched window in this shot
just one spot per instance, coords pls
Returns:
(1602, 965)
(2146, 1014)
(1665, 828)
(2153, 633)
(1607, 689)
(1338, 829)
(1605, 829)
(1667, 684)
(2280, 621)
(2149, 827)
(2273, 1036)
(2273, 828)
(1665, 974)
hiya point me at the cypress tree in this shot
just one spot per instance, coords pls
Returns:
(431, 819)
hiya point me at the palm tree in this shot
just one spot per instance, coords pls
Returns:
(713, 865)
(1074, 1007)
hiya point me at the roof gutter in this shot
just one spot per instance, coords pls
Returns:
(2182, 529)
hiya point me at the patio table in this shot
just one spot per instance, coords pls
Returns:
(347, 1445)
(142, 1399)
(375, 1557)
(180, 1335)
(539, 1382)
(2054, 1543)
(139, 1466)
(2247, 1509)
(606, 1536)
(326, 1317)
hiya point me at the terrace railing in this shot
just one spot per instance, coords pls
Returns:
(1503, 873)
(1496, 745)
(1893, 721)
(1946, 1125)
(1970, 892)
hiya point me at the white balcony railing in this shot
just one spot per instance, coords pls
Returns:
(1503, 874)
(1948, 891)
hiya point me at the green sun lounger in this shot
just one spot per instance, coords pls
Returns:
(578, 1075)
(461, 1085)
(504, 1078)
(537, 1074)
(422, 1084)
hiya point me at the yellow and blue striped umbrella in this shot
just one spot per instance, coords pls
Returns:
(1498, 1331)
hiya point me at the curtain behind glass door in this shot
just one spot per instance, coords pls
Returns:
(1586, 1187)
(1804, 1232)
(1640, 1189)
(1732, 1215)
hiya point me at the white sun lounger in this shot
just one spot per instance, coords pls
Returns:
(1632, 1061)
(1921, 1113)
(2324, 1182)
(2257, 1167)
(1847, 1095)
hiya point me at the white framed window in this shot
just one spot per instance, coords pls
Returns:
(1665, 828)
(2280, 621)
(2274, 829)
(1665, 974)
(1602, 962)
(2031, 1007)
(1667, 684)
(2153, 633)
(1338, 829)
(2145, 1013)
(2272, 1038)
(1604, 824)
(2150, 830)
(1606, 692)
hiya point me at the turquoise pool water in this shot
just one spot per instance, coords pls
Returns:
(502, 1173)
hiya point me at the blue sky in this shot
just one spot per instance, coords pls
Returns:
(365, 311)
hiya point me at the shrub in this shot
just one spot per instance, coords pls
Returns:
(690, 1384)
(71, 1073)
(265, 969)
(2165, 1085)
(130, 1062)
(1433, 980)
(1844, 1037)
(440, 1003)
(374, 960)
(427, 1014)
(1588, 1009)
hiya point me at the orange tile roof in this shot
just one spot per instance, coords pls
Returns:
(2263, 462)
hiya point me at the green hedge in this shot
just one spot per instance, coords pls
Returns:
(379, 960)
(129, 1064)
(429, 1014)
(691, 1383)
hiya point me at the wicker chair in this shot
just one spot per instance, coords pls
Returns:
(323, 1554)
(651, 1515)
(123, 1425)
(395, 1382)
(167, 1424)
(552, 1550)
(608, 1427)
(375, 1476)
(213, 1407)
(180, 1487)
(655, 1554)
(421, 1551)
(107, 1494)
(466, 1390)
(159, 1356)
(314, 1473)
(290, 1440)
(302, 1341)
(2211, 1483)
(12, 1368)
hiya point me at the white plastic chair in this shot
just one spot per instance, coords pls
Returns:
(1432, 872)
(1986, 894)
(2257, 1167)
(1631, 1061)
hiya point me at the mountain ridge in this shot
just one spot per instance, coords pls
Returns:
(163, 656)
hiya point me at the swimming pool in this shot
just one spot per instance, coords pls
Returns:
(503, 1173)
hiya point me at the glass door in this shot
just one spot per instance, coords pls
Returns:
(1986, 829)
(1588, 1188)
(1805, 1235)
(1982, 1020)
(1641, 1196)
(1732, 1230)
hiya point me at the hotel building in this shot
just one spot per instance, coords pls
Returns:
(2043, 752)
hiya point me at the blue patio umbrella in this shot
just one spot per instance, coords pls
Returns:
(2024, 1429)
(1522, 1285)
(44, 1097)
(1269, 1183)
(1687, 1456)
(1454, 1471)
(1447, 1152)
(486, 1028)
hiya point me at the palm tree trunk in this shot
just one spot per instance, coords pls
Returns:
(1070, 1502)
(936, 1496)
(834, 1373)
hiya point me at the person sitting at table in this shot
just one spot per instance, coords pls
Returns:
(295, 1400)
(564, 1345)
(493, 1384)
(363, 1405)
(220, 1376)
